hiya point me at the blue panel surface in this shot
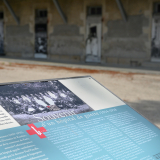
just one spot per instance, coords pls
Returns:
(117, 133)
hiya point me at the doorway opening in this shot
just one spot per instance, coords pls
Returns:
(40, 33)
(93, 34)
(1, 33)
(155, 45)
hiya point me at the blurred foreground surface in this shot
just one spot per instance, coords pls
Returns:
(140, 90)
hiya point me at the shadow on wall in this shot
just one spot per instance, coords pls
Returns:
(149, 109)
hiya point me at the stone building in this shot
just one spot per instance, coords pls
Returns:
(99, 31)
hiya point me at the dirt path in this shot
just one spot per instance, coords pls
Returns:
(141, 91)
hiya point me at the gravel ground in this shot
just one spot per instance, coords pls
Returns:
(141, 91)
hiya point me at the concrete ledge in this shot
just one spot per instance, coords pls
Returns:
(91, 66)
(153, 65)
(124, 61)
(67, 58)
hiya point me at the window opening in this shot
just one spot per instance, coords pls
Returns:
(94, 11)
(41, 13)
(1, 15)
(156, 8)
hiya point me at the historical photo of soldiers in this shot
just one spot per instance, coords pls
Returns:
(38, 101)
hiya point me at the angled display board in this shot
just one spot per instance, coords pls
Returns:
(72, 119)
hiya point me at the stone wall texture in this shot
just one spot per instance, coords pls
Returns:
(122, 42)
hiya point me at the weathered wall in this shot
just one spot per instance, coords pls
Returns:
(127, 42)
(63, 39)
(18, 40)
(66, 39)
(122, 42)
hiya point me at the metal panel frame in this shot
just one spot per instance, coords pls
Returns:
(60, 11)
(11, 11)
(121, 8)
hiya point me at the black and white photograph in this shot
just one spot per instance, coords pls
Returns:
(39, 101)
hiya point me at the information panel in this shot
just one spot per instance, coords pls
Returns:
(73, 128)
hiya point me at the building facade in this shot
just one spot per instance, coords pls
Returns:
(103, 31)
